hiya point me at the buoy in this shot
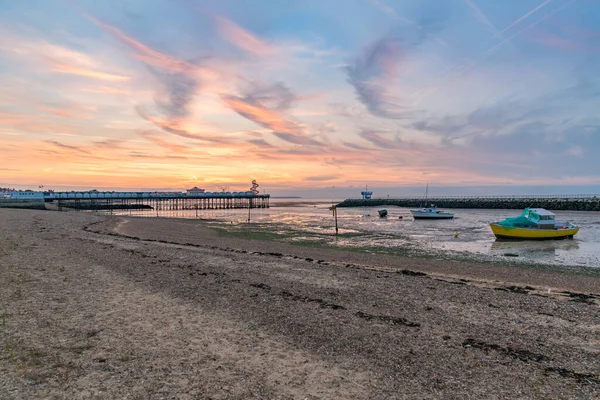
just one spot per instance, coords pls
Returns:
(400, 217)
(455, 234)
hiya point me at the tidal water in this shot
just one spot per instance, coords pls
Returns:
(468, 235)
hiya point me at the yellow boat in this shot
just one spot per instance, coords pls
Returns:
(534, 223)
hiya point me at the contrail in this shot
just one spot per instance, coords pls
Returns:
(529, 26)
(469, 65)
(523, 17)
(481, 17)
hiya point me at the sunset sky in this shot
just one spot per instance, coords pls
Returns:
(299, 93)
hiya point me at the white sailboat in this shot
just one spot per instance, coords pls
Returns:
(430, 212)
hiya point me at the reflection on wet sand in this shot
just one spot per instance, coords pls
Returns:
(533, 249)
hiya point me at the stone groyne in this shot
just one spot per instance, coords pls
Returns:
(575, 203)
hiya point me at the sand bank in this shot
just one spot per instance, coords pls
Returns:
(100, 307)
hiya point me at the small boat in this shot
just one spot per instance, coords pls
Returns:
(534, 223)
(382, 213)
(430, 212)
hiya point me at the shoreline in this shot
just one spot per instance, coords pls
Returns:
(466, 270)
(97, 306)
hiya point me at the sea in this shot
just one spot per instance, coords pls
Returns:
(467, 236)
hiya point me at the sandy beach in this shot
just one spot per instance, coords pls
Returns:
(101, 307)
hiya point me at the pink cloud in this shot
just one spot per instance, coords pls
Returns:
(71, 69)
(560, 43)
(241, 37)
(257, 112)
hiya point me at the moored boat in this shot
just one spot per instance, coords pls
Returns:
(431, 213)
(534, 223)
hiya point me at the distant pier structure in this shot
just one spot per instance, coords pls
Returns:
(192, 199)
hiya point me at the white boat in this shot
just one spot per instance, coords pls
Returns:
(430, 212)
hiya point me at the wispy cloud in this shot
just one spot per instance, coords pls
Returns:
(158, 140)
(63, 146)
(71, 69)
(242, 38)
(371, 73)
(379, 140)
(262, 105)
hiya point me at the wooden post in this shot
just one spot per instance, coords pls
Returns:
(334, 209)
(249, 208)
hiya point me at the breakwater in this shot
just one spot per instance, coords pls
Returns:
(558, 202)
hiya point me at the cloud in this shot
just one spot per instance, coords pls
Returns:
(110, 144)
(556, 41)
(68, 147)
(354, 146)
(178, 85)
(321, 178)
(174, 125)
(242, 38)
(157, 139)
(72, 69)
(574, 150)
(260, 143)
(178, 89)
(67, 111)
(143, 52)
(252, 108)
(370, 75)
(379, 141)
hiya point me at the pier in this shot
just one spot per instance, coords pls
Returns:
(93, 200)
(573, 202)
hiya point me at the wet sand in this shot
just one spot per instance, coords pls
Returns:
(139, 308)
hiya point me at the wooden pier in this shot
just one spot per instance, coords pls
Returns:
(157, 201)
(574, 202)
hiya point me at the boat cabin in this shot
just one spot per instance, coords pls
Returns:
(546, 218)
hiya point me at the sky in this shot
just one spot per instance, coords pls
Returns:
(300, 95)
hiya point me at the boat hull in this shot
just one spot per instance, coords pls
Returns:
(433, 216)
(532, 233)
(426, 215)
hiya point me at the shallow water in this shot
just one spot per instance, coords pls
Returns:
(312, 222)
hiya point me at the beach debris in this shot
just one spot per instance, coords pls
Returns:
(388, 319)
(520, 354)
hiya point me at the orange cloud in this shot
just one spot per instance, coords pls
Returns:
(64, 112)
(284, 129)
(156, 139)
(242, 38)
(150, 56)
(64, 68)
(9, 118)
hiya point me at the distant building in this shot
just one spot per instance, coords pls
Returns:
(366, 194)
(195, 189)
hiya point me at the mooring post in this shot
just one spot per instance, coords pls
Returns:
(249, 208)
(334, 209)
